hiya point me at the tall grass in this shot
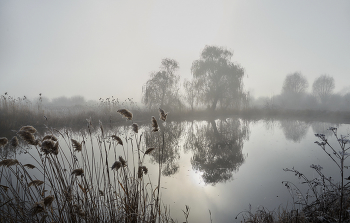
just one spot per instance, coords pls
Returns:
(81, 184)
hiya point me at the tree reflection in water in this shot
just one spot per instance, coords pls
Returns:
(294, 130)
(322, 128)
(171, 154)
(217, 148)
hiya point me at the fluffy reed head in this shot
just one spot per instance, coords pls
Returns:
(116, 165)
(8, 162)
(30, 166)
(28, 137)
(154, 125)
(135, 127)
(48, 200)
(37, 208)
(127, 114)
(149, 150)
(47, 146)
(29, 129)
(117, 139)
(78, 172)
(51, 137)
(35, 183)
(3, 141)
(76, 145)
(162, 114)
(14, 141)
(142, 170)
(122, 161)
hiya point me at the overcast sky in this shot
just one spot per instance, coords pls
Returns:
(109, 48)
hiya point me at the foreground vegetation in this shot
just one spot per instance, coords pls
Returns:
(83, 185)
(325, 199)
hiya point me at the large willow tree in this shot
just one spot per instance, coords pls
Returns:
(162, 89)
(217, 79)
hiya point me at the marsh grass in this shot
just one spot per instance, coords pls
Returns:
(325, 200)
(80, 184)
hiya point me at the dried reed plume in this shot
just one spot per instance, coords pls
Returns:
(135, 128)
(48, 200)
(123, 162)
(14, 141)
(116, 165)
(149, 150)
(51, 137)
(142, 170)
(3, 141)
(162, 115)
(127, 114)
(117, 139)
(9, 162)
(28, 137)
(37, 208)
(30, 166)
(29, 129)
(154, 125)
(78, 210)
(78, 172)
(35, 183)
(76, 145)
(47, 146)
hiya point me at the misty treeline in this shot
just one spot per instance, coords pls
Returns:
(296, 94)
(216, 83)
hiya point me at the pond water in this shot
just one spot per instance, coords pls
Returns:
(228, 166)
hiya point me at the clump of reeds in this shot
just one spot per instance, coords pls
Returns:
(84, 187)
(14, 141)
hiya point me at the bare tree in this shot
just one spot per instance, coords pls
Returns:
(162, 89)
(323, 87)
(295, 83)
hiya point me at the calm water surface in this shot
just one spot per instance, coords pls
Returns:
(228, 166)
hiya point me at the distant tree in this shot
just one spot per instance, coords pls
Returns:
(190, 93)
(217, 79)
(295, 83)
(323, 87)
(161, 90)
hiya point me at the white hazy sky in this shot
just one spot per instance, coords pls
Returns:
(109, 48)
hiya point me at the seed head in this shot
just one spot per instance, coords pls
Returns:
(162, 114)
(35, 183)
(28, 137)
(76, 145)
(117, 139)
(3, 141)
(149, 150)
(127, 114)
(29, 129)
(154, 124)
(51, 137)
(30, 166)
(135, 128)
(78, 172)
(122, 161)
(14, 141)
(116, 165)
